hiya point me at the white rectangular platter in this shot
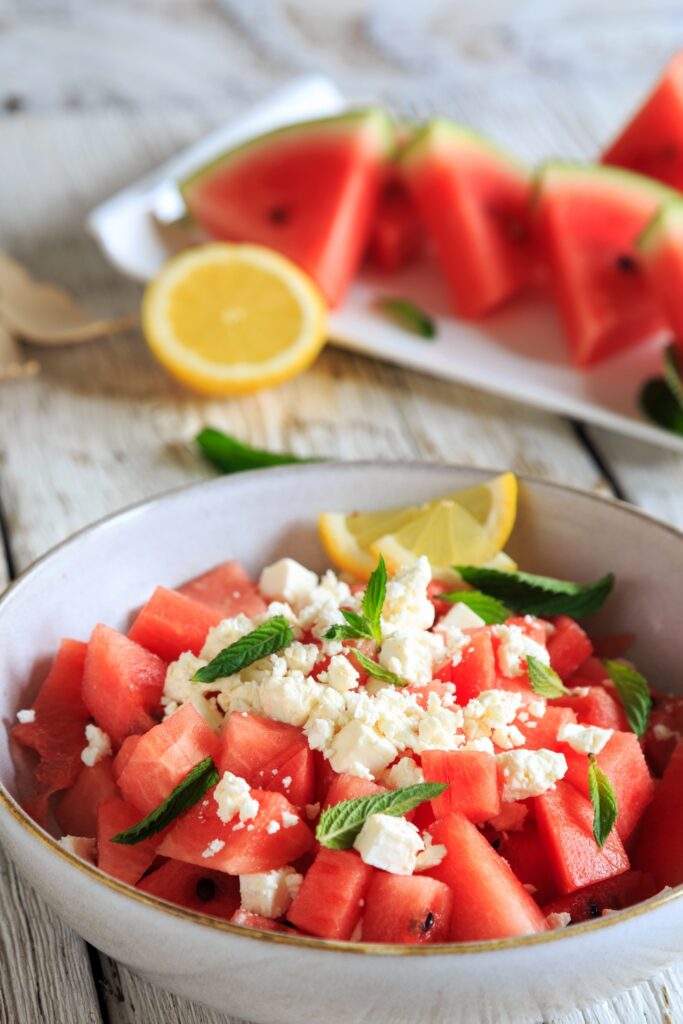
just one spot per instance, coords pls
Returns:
(518, 353)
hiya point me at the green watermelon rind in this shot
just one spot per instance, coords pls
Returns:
(442, 132)
(374, 119)
(610, 177)
(665, 226)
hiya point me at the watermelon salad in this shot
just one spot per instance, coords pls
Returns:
(332, 193)
(394, 762)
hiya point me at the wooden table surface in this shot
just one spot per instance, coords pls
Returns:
(92, 95)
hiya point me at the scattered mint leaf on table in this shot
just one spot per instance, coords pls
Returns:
(185, 795)
(544, 680)
(634, 692)
(229, 455)
(268, 638)
(538, 595)
(493, 612)
(340, 824)
(408, 314)
(604, 802)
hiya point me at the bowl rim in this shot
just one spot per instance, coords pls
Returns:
(15, 810)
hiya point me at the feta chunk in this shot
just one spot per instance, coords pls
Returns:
(300, 657)
(389, 843)
(407, 606)
(411, 655)
(233, 796)
(225, 634)
(561, 920)
(99, 745)
(360, 750)
(405, 772)
(438, 729)
(287, 580)
(515, 647)
(490, 716)
(460, 616)
(26, 716)
(341, 675)
(584, 739)
(178, 685)
(80, 846)
(528, 773)
(432, 854)
(288, 696)
(269, 893)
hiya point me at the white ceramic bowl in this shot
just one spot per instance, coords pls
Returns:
(109, 569)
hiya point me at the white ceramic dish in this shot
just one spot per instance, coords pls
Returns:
(109, 569)
(519, 352)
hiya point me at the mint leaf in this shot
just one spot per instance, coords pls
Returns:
(340, 824)
(493, 612)
(407, 314)
(185, 795)
(634, 692)
(659, 403)
(378, 671)
(356, 628)
(543, 679)
(229, 455)
(673, 371)
(604, 802)
(373, 599)
(268, 638)
(538, 595)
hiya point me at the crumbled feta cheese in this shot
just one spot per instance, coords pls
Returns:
(178, 685)
(328, 648)
(225, 634)
(214, 847)
(515, 647)
(272, 827)
(490, 716)
(537, 707)
(405, 772)
(438, 729)
(26, 716)
(561, 920)
(585, 739)
(460, 616)
(528, 773)
(483, 744)
(360, 750)
(341, 675)
(289, 581)
(207, 709)
(287, 696)
(407, 606)
(660, 731)
(293, 882)
(412, 654)
(99, 745)
(287, 782)
(289, 820)
(79, 846)
(269, 893)
(389, 843)
(233, 796)
(312, 811)
(432, 854)
(300, 657)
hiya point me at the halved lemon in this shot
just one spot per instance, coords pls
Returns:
(228, 319)
(468, 527)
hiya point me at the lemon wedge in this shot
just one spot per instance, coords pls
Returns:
(229, 319)
(469, 527)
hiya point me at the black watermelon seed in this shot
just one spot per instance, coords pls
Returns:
(428, 923)
(278, 215)
(626, 263)
(593, 909)
(205, 889)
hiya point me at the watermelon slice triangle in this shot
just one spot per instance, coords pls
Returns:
(589, 220)
(661, 250)
(652, 142)
(308, 190)
(474, 202)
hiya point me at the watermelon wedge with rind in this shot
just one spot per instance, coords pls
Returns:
(474, 202)
(589, 219)
(308, 190)
(661, 251)
(652, 141)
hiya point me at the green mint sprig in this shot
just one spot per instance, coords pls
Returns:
(493, 612)
(365, 625)
(268, 638)
(539, 595)
(634, 693)
(543, 679)
(185, 795)
(407, 314)
(340, 824)
(378, 671)
(229, 455)
(604, 802)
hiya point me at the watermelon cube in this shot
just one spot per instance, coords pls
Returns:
(76, 809)
(248, 743)
(609, 894)
(329, 902)
(228, 589)
(476, 670)
(199, 889)
(171, 623)
(541, 733)
(247, 919)
(526, 855)
(292, 774)
(596, 707)
(350, 787)
(565, 824)
(568, 646)
(659, 841)
(472, 782)
(163, 757)
(409, 909)
(122, 683)
(127, 863)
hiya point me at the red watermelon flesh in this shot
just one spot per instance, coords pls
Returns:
(122, 683)
(171, 623)
(541, 733)
(661, 251)
(476, 670)
(227, 588)
(589, 220)
(127, 863)
(526, 856)
(350, 787)
(397, 233)
(489, 901)
(58, 732)
(664, 731)
(596, 707)
(124, 755)
(247, 850)
(412, 910)
(610, 894)
(329, 902)
(199, 889)
(164, 756)
(652, 141)
(568, 646)
(659, 841)
(472, 782)
(308, 190)
(565, 824)
(474, 202)
(76, 810)
(246, 919)
(292, 774)
(249, 743)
